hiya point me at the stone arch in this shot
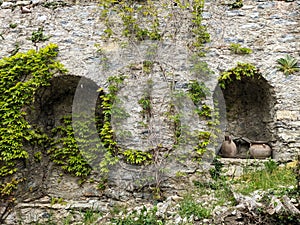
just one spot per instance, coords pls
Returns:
(56, 100)
(248, 110)
(51, 104)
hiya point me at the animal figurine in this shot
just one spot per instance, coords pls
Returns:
(228, 148)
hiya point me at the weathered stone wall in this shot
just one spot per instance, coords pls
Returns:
(270, 28)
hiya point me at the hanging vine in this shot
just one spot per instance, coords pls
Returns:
(139, 20)
(20, 77)
(237, 73)
(65, 148)
(107, 134)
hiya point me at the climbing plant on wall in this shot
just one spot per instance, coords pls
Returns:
(237, 73)
(20, 77)
(107, 135)
(65, 148)
(142, 20)
(199, 30)
(198, 92)
(145, 101)
(139, 19)
(136, 21)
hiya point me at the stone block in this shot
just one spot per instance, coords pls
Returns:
(7, 5)
(287, 115)
(23, 3)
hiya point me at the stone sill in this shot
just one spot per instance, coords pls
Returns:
(235, 161)
(236, 167)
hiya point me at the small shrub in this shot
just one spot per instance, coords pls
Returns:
(13, 25)
(216, 172)
(237, 49)
(38, 36)
(237, 4)
(270, 166)
(288, 65)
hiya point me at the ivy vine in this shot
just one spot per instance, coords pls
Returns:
(199, 30)
(139, 20)
(20, 77)
(198, 92)
(146, 101)
(65, 150)
(237, 73)
(204, 141)
(22, 74)
(137, 157)
(107, 134)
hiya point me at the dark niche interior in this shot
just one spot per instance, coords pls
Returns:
(247, 112)
(57, 100)
(65, 96)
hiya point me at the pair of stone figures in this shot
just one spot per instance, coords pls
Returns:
(256, 150)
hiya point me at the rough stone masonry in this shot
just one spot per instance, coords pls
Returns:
(270, 28)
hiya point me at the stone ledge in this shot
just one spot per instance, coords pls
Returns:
(247, 162)
(236, 167)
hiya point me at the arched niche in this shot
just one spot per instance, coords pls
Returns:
(57, 100)
(246, 108)
(66, 95)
